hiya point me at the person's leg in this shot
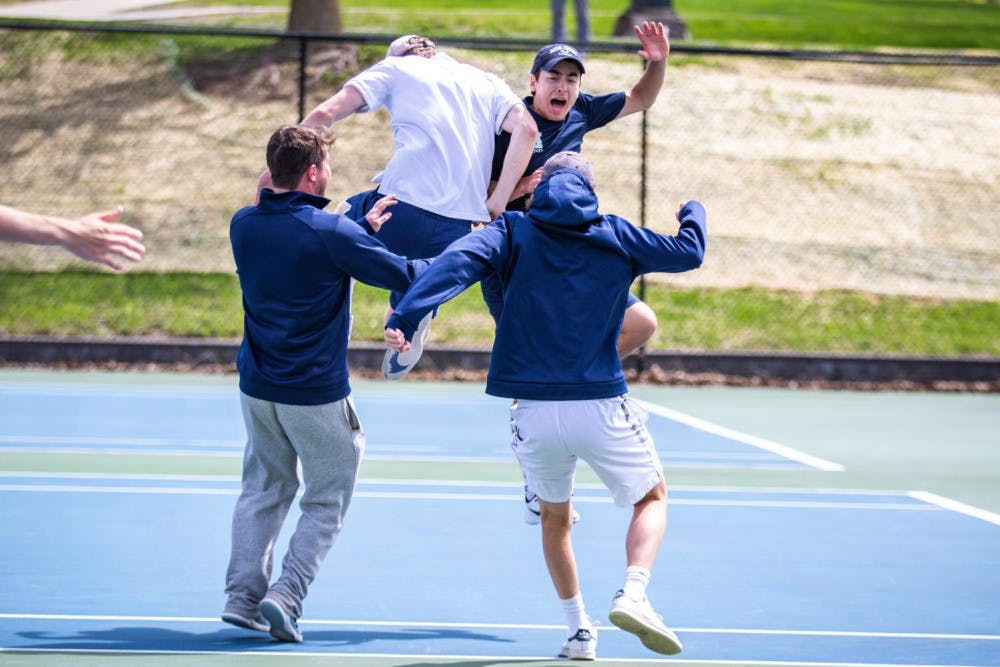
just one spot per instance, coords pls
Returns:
(356, 206)
(582, 21)
(558, 20)
(268, 489)
(549, 467)
(557, 547)
(645, 531)
(638, 327)
(330, 442)
(416, 234)
(611, 436)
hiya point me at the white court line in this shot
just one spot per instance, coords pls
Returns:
(746, 461)
(514, 626)
(504, 659)
(108, 440)
(417, 495)
(462, 483)
(932, 501)
(745, 438)
(955, 506)
(232, 454)
(386, 481)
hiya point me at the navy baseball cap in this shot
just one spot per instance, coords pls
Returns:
(553, 54)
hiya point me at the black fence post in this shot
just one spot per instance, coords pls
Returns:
(640, 355)
(303, 56)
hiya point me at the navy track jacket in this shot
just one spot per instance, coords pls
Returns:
(566, 271)
(295, 263)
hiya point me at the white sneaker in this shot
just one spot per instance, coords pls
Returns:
(533, 511)
(638, 617)
(581, 646)
(397, 364)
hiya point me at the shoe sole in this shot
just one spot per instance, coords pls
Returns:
(655, 640)
(392, 368)
(280, 627)
(577, 657)
(244, 622)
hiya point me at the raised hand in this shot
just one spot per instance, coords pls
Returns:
(653, 36)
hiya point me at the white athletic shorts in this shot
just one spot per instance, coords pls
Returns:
(608, 433)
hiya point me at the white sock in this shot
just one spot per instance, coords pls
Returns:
(576, 615)
(636, 581)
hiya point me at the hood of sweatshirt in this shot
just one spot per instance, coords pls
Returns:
(564, 199)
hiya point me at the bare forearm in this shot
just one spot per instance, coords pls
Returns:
(347, 101)
(24, 227)
(95, 237)
(515, 161)
(644, 93)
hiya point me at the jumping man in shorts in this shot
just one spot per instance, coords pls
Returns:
(566, 271)
(564, 114)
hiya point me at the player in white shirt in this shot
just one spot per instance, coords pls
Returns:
(445, 117)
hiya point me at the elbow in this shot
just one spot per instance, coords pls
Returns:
(530, 130)
(646, 103)
(692, 257)
(526, 124)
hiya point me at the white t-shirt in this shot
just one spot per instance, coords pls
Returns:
(445, 115)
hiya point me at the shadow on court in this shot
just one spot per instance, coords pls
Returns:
(162, 639)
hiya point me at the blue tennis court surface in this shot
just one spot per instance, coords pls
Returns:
(469, 427)
(135, 563)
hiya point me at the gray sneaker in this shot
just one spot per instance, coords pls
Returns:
(284, 626)
(581, 646)
(245, 621)
(638, 617)
(397, 364)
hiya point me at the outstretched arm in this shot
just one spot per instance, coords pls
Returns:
(347, 101)
(523, 134)
(465, 262)
(95, 237)
(655, 49)
(651, 251)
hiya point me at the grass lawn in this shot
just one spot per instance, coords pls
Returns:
(208, 305)
(841, 24)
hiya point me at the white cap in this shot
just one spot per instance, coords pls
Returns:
(569, 160)
(406, 44)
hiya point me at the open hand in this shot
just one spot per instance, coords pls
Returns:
(653, 35)
(378, 216)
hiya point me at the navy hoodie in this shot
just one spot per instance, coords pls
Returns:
(295, 264)
(566, 271)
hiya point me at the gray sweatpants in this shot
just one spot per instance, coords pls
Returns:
(329, 442)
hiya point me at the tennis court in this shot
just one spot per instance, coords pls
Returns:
(805, 528)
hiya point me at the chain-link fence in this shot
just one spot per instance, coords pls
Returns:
(883, 177)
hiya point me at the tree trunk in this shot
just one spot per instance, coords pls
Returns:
(315, 16)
